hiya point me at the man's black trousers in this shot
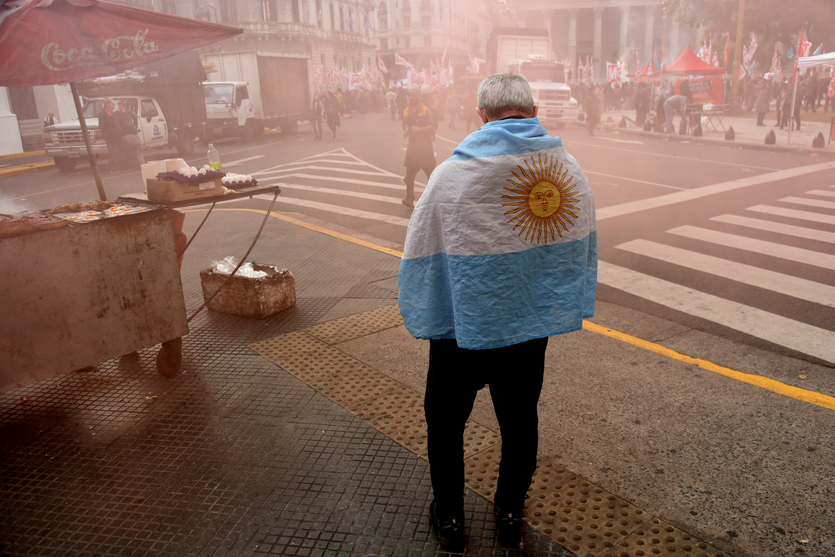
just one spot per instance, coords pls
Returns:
(514, 374)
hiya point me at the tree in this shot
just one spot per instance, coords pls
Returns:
(771, 20)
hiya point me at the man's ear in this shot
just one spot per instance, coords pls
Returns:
(535, 110)
(482, 115)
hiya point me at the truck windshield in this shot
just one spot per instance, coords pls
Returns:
(94, 106)
(218, 93)
(543, 71)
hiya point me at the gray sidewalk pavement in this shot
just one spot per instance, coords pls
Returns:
(299, 434)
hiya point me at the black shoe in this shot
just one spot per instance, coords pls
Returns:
(508, 527)
(450, 532)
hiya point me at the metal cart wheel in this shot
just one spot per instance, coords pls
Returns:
(169, 357)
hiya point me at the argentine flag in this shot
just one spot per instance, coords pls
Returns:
(502, 245)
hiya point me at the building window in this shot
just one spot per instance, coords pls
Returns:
(406, 42)
(426, 20)
(319, 14)
(407, 21)
(294, 8)
(228, 11)
(341, 18)
(382, 17)
(384, 44)
(269, 11)
(168, 7)
(427, 40)
(333, 20)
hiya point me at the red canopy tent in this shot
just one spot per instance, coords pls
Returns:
(46, 42)
(690, 64)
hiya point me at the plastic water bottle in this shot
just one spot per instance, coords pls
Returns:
(214, 157)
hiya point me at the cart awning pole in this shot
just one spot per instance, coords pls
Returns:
(90, 155)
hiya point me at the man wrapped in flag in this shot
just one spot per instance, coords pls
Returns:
(500, 254)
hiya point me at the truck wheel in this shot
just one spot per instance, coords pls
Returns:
(185, 147)
(65, 163)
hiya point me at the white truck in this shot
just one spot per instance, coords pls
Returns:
(529, 51)
(166, 96)
(254, 91)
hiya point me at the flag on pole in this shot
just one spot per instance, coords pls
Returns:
(381, 65)
(443, 58)
(727, 51)
(803, 46)
(748, 53)
(776, 68)
(400, 61)
(818, 50)
(831, 92)
(612, 72)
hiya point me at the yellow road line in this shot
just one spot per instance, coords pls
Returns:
(777, 387)
(756, 380)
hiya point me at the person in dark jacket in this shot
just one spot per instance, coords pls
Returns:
(130, 142)
(332, 107)
(419, 128)
(112, 133)
(763, 101)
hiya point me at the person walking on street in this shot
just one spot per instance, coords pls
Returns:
(391, 98)
(332, 112)
(131, 144)
(419, 127)
(500, 254)
(112, 134)
(763, 101)
(317, 110)
(675, 104)
(591, 106)
(50, 119)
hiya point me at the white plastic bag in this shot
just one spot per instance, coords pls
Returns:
(226, 265)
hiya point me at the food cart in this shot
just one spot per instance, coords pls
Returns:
(102, 285)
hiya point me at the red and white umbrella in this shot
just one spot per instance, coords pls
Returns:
(47, 42)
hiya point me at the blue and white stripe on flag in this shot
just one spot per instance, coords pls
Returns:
(502, 245)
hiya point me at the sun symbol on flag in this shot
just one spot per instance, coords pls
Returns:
(543, 199)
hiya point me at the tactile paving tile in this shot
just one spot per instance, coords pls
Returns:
(393, 411)
(413, 439)
(577, 514)
(355, 326)
(309, 359)
(478, 438)
(481, 471)
(350, 387)
(661, 538)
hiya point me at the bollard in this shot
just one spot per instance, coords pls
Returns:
(622, 123)
(770, 138)
(819, 142)
(729, 134)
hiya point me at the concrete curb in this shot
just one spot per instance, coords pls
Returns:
(25, 168)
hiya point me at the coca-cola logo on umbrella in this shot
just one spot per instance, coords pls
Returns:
(114, 49)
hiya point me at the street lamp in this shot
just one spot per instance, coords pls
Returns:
(733, 102)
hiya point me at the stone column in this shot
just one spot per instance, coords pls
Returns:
(674, 47)
(547, 20)
(646, 55)
(623, 45)
(597, 48)
(572, 39)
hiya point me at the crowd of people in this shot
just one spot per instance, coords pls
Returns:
(657, 105)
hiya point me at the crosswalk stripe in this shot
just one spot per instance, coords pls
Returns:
(339, 209)
(762, 278)
(314, 167)
(631, 207)
(288, 186)
(241, 161)
(339, 180)
(821, 192)
(778, 227)
(793, 213)
(789, 253)
(809, 202)
(773, 328)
